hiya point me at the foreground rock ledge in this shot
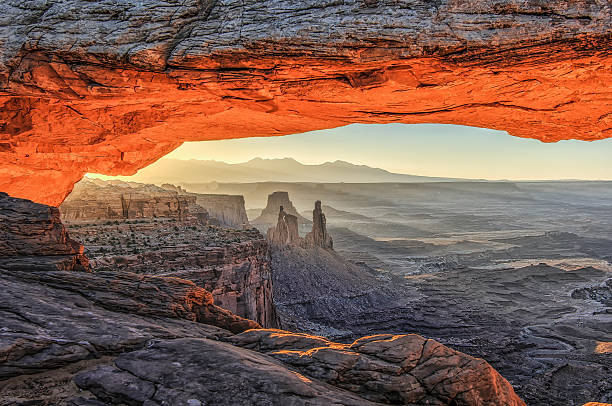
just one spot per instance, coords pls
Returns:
(111, 87)
(141, 342)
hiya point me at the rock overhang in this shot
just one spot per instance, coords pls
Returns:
(110, 87)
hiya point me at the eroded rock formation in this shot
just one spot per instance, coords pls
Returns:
(381, 369)
(233, 265)
(32, 236)
(386, 368)
(318, 237)
(285, 232)
(111, 87)
(226, 210)
(93, 199)
(163, 231)
(270, 214)
(126, 338)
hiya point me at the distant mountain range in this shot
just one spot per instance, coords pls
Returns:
(269, 170)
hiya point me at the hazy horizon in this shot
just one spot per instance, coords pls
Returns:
(432, 150)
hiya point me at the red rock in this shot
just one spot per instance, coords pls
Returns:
(398, 369)
(105, 95)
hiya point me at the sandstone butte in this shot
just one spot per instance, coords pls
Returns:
(110, 87)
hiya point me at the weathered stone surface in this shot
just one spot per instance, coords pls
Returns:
(94, 199)
(233, 265)
(318, 237)
(228, 210)
(201, 372)
(399, 369)
(61, 324)
(53, 318)
(285, 232)
(143, 294)
(110, 87)
(167, 331)
(32, 235)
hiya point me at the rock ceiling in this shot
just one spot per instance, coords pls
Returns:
(111, 86)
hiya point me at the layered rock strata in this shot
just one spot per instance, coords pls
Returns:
(384, 369)
(270, 214)
(32, 236)
(112, 200)
(111, 87)
(125, 338)
(225, 210)
(232, 264)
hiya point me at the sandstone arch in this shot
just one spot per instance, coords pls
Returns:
(111, 86)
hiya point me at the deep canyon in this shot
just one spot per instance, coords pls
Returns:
(450, 293)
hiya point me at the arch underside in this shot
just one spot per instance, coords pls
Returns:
(113, 97)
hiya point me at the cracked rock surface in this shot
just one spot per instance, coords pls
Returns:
(402, 369)
(111, 86)
(69, 337)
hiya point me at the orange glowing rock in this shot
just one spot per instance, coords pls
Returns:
(102, 96)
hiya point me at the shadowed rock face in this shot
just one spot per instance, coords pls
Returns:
(110, 87)
(139, 339)
(285, 232)
(32, 235)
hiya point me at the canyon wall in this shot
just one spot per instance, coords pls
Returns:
(233, 265)
(32, 236)
(270, 214)
(101, 200)
(228, 210)
(126, 338)
(111, 87)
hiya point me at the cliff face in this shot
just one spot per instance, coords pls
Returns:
(32, 235)
(100, 200)
(270, 214)
(228, 210)
(233, 265)
(318, 237)
(239, 278)
(88, 87)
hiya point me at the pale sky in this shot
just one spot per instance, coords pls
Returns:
(422, 149)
